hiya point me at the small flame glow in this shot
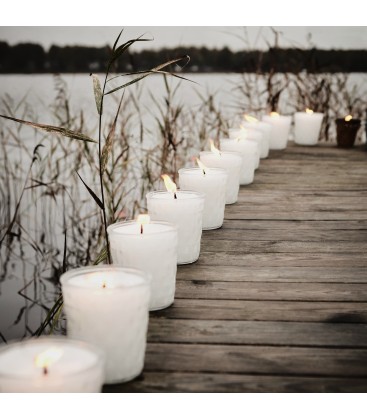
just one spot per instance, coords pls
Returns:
(201, 166)
(309, 111)
(274, 114)
(214, 149)
(348, 118)
(250, 118)
(169, 184)
(47, 358)
(143, 219)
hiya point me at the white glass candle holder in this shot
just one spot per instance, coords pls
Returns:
(232, 162)
(213, 185)
(250, 134)
(107, 306)
(247, 149)
(281, 125)
(265, 129)
(153, 250)
(186, 212)
(307, 127)
(51, 365)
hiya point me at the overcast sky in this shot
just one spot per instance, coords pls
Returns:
(354, 37)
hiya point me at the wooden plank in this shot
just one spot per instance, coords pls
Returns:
(267, 333)
(268, 360)
(219, 382)
(240, 214)
(283, 260)
(274, 274)
(247, 310)
(316, 292)
(272, 246)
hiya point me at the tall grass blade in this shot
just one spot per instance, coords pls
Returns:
(92, 193)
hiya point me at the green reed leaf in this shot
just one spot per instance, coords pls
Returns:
(102, 256)
(91, 192)
(53, 129)
(117, 40)
(97, 92)
(117, 52)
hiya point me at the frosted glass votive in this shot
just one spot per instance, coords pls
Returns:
(51, 365)
(186, 212)
(250, 134)
(232, 162)
(248, 151)
(213, 185)
(107, 306)
(307, 127)
(265, 128)
(153, 251)
(281, 125)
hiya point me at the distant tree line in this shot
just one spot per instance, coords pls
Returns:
(32, 58)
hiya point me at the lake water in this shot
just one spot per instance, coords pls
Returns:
(27, 286)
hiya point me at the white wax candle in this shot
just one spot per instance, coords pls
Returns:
(186, 212)
(250, 134)
(247, 149)
(307, 127)
(265, 128)
(230, 161)
(281, 125)
(153, 251)
(51, 365)
(213, 185)
(107, 306)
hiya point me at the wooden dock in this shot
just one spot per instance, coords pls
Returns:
(278, 299)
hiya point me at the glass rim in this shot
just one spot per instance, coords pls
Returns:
(100, 356)
(111, 228)
(196, 169)
(225, 152)
(313, 113)
(189, 194)
(68, 275)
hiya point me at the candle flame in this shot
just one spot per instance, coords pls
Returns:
(201, 165)
(274, 114)
(250, 118)
(169, 184)
(309, 111)
(348, 118)
(143, 219)
(213, 148)
(47, 358)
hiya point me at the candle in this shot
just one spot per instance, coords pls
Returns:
(307, 127)
(150, 247)
(281, 125)
(346, 131)
(185, 211)
(249, 134)
(107, 306)
(247, 149)
(51, 365)
(265, 128)
(212, 182)
(230, 161)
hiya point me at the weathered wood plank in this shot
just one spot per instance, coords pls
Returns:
(256, 359)
(243, 214)
(303, 334)
(247, 310)
(219, 382)
(283, 259)
(316, 292)
(274, 274)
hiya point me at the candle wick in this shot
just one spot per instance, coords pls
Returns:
(103, 285)
(141, 229)
(45, 370)
(204, 172)
(175, 196)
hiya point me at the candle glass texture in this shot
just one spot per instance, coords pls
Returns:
(346, 132)
(247, 149)
(281, 125)
(265, 129)
(152, 248)
(107, 306)
(51, 365)
(250, 134)
(186, 212)
(230, 161)
(307, 127)
(213, 186)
